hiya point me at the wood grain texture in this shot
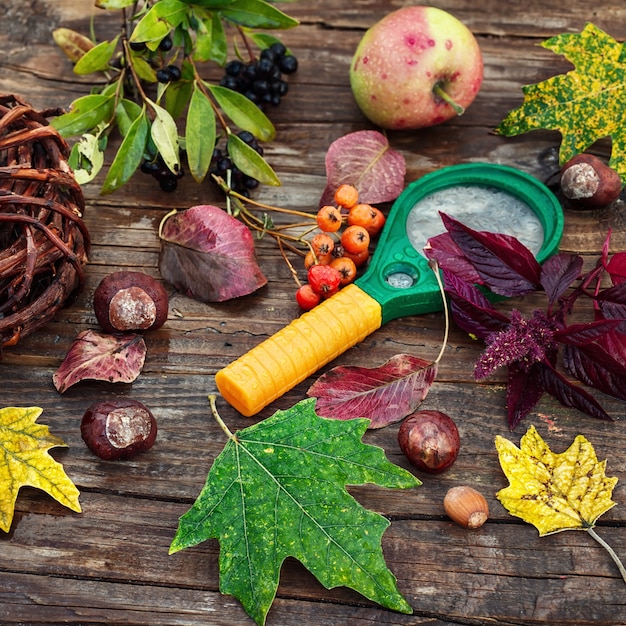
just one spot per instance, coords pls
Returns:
(110, 563)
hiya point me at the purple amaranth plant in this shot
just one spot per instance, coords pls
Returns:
(593, 352)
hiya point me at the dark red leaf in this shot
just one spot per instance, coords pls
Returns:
(470, 308)
(616, 268)
(384, 394)
(99, 356)
(558, 273)
(567, 393)
(209, 255)
(505, 265)
(523, 392)
(365, 160)
(614, 295)
(585, 333)
(592, 365)
(614, 343)
(449, 257)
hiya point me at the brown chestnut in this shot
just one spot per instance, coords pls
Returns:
(430, 440)
(127, 301)
(588, 182)
(118, 429)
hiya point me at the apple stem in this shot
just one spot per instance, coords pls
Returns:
(439, 91)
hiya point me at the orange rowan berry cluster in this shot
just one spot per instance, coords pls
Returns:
(341, 246)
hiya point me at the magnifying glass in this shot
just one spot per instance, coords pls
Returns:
(398, 281)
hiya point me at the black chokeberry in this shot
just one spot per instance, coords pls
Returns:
(168, 183)
(163, 75)
(166, 44)
(174, 72)
(246, 136)
(234, 68)
(278, 48)
(288, 64)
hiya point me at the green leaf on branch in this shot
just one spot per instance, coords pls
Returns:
(129, 155)
(200, 134)
(243, 112)
(257, 14)
(85, 114)
(584, 105)
(250, 162)
(114, 4)
(159, 21)
(278, 490)
(97, 59)
(86, 158)
(164, 133)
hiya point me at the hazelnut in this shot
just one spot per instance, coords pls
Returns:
(588, 182)
(430, 440)
(128, 301)
(118, 429)
(466, 506)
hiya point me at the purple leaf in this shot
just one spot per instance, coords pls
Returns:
(568, 394)
(614, 295)
(209, 255)
(450, 258)
(614, 343)
(592, 365)
(383, 394)
(97, 356)
(522, 394)
(365, 160)
(585, 333)
(558, 273)
(471, 310)
(505, 265)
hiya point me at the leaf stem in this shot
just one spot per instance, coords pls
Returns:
(607, 547)
(218, 419)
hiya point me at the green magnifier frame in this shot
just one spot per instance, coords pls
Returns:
(395, 253)
(398, 282)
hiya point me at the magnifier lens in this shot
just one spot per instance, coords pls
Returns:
(479, 207)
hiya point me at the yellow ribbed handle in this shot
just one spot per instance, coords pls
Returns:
(315, 338)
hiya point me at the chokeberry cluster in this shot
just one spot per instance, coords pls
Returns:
(223, 166)
(168, 180)
(335, 255)
(261, 80)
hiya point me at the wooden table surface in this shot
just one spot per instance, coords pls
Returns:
(110, 563)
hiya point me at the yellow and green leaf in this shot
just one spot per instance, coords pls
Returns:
(25, 462)
(585, 104)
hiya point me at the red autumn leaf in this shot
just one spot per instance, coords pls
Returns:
(383, 394)
(365, 160)
(209, 255)
(98, 356)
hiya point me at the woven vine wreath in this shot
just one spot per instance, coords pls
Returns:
(43, 239)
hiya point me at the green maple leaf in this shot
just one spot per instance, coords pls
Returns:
(278, 490)
(584, 105)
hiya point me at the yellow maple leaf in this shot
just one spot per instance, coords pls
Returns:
(554, 492)
(24, 461)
